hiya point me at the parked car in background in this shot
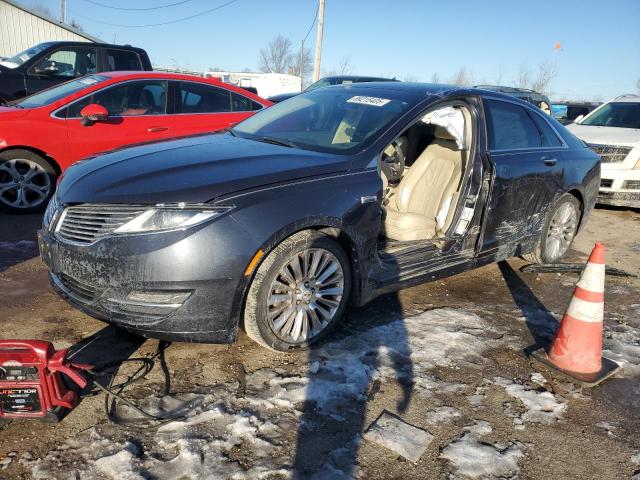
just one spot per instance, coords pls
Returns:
(43, 134)
(334, 80)
(538, 99)
(329, 198)
(567, 112)
(48, 64)
(613, 131)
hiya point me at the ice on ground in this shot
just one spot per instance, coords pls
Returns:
(249, 436)
(442, 414)
(622, 344)
(538, 378)
(396, 435)
(542, 406)
(471, 457)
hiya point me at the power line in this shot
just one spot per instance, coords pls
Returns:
(312, 24)
(138, 9)
(157, 24)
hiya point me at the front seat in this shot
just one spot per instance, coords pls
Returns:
(419, 210)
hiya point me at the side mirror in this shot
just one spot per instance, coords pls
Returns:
(578, 118)
(46, 69)
(93, 113)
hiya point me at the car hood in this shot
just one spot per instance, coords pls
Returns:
(192, 170)
(282, 96)
(606, 135)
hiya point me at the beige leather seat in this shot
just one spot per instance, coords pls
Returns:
(422, 206)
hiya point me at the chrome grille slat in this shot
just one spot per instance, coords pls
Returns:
(610, 153)
(87, 223)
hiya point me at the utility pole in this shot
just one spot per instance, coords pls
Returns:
(301, 64)
(319, 31)
(62, 9)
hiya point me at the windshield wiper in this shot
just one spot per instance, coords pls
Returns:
(277, 141)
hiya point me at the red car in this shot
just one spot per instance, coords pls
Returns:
(42, 135)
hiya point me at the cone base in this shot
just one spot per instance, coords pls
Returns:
(609, 368)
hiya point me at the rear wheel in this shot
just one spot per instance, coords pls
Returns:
(558, 232)
(298, 293)
(27, 181)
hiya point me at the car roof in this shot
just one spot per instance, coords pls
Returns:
(59, 43)
(626, 98)
(427, 89)
(359, 77)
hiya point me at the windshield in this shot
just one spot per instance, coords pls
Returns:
(53, 94)
(323, 82)
(615, 114)
(24, 56)
(333, 120)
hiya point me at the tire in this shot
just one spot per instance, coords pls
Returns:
(556, 232)
(27, 181)
(310, 293)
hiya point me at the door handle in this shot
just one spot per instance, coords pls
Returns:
(157, 129)
(550, 161)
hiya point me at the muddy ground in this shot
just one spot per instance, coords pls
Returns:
(447, 357)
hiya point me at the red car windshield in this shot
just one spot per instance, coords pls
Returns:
(53, 94)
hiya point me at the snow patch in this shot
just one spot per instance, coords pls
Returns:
(542, 406)
(398, 436)
(473, 458)
(442, 414)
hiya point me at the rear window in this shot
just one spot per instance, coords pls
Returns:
(122, 60)
(240, 103)
(549, 136)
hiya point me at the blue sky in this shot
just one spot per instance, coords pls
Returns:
(409, 39)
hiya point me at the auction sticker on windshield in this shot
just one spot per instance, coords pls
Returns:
(375, 101)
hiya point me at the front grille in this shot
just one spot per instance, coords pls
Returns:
(78, 289)
(631, 185)
(606, 182)
(610, 153)
(87, 223)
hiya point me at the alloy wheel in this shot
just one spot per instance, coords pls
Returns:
(23, 183)
(305, 295)
(562, 229)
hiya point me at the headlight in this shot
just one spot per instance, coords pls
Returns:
(169, 218)
(50, 212)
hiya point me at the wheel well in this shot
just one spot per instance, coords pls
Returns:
(576, 193)
(37, 151)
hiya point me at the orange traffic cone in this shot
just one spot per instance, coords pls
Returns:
(576, 349)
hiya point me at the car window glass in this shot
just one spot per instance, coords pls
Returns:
(68, 62)
(199, 98)
(145, 97)
(615, 114)
(510, 127)
(24, 56)
(57, 92)
(240, 103)
(122, 60)
(549, 136)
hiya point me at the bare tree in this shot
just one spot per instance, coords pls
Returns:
(543, 79)
(410, 78)
(638, 86)
(435, 78)
(302, 64)
(499, 75)
(462, 77)
(74, 23)
(345, 65)
(276, 57)
(523, 79)
(40, 9)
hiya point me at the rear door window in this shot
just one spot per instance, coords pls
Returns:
(121, 60)
(510, 127)
(550, 138)
(199, 98)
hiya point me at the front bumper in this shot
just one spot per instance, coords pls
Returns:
(203, 266)
(620, 187)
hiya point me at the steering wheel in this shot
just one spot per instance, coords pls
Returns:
(392, 161)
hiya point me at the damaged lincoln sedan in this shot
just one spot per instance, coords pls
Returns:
(323, 201)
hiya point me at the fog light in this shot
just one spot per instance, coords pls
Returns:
(159, 298)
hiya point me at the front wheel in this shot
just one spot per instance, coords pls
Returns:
(298, 292)
(27, 181)
(558, 232)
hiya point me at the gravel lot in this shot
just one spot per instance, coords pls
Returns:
(447, 358)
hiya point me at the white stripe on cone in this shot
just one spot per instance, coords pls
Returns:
(592, 312)
(592, 278)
